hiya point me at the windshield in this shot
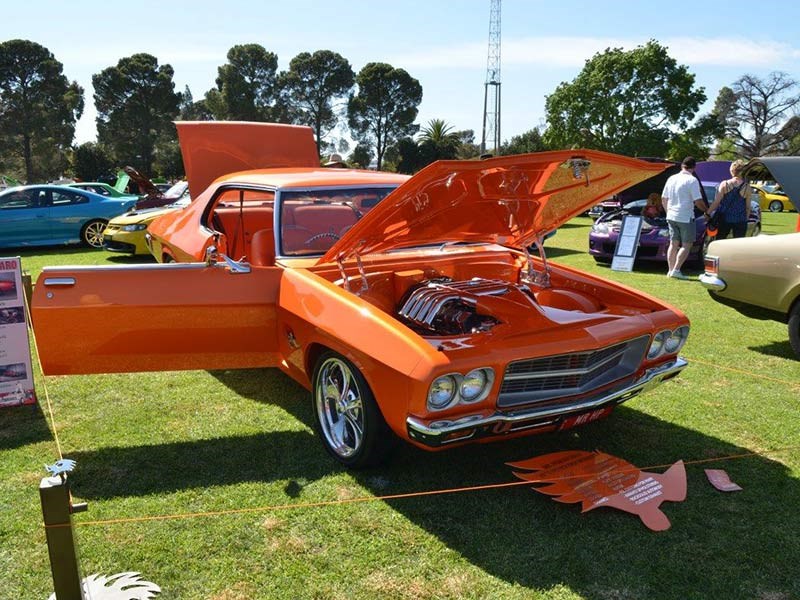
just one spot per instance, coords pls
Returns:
(312, 220)
(177, 190)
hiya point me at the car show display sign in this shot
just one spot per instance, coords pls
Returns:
(16, 373)
(627, 243)
(597, 479)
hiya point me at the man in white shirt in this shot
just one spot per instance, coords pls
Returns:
(681, 194)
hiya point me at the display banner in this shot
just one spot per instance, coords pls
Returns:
(627, 243)
(16, 372)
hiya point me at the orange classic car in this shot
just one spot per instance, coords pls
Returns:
(431, 314)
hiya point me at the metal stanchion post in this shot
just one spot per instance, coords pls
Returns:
(57, 512)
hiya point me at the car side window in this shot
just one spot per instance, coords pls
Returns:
(23, 199)
(67, 198)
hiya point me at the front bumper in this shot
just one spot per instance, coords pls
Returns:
(712, 282)
(471, 427)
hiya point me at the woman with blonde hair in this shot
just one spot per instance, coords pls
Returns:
(732, 200)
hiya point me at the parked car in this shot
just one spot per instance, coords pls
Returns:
(761, 276)
(103, 189)
(421, 317)
(126, 233)
(154, 195)
(771, 197)
(654, 236)
(45, 215)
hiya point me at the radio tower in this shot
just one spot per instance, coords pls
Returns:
(490, 140)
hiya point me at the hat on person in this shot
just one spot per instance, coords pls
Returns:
(335, 160)
(689, 162)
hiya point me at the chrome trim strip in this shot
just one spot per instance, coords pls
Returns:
(174, 266)
(712, 282)
(432, 435)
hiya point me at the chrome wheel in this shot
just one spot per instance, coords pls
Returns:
(93, 233)
(339, 407)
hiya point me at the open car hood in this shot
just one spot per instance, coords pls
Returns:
(211, 149)
(784, 169)
(509, 200)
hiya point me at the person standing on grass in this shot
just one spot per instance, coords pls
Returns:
(681, 194)
(733, 203)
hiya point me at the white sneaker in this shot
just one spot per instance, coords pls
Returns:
(676, 274)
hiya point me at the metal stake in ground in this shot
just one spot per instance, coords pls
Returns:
(57, 510)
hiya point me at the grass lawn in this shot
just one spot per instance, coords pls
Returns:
(203, 442)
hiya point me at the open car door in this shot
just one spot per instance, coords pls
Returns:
(155, 318)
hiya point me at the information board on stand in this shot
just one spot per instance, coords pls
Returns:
(627, 243)
(16, 372)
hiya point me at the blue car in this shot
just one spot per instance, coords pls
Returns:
(47, 215)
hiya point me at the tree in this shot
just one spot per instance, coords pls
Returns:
(361, 156)
(246, 86)
(759, 115)
(624, 102)
(136, 104)
(467, 148)
(38, 108)
(441, 140)
(696, 140)
(90, 162)
(385, 106)
(310, 87)
(529, 141)
(189, 110)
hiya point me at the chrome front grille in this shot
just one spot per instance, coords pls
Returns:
(564, 375)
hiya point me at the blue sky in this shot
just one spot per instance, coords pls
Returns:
(441, 43)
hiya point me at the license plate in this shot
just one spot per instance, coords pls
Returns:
(584, 418)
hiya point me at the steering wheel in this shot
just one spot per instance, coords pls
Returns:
(319, 236)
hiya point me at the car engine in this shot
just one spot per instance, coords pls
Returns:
(443, 306)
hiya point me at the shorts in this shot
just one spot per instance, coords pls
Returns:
(684, 233)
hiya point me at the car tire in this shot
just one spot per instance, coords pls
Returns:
(775, 206)
(346, 415)
(92, 233)
(794, 327)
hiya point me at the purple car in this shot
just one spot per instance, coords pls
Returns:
(654, 237)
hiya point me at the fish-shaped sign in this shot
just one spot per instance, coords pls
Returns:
(597, 479)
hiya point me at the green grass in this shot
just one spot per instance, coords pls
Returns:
(199, 442)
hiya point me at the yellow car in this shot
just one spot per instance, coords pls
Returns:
(771, 197)
(126, 232)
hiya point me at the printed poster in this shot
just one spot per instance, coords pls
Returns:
(16, 372)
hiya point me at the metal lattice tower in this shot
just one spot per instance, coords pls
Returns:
(490, 140)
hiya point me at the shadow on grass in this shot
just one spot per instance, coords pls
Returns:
(779, 349)
(739, 545)
(22, 425)
(132, 259)
(164, 468)
(527, 539)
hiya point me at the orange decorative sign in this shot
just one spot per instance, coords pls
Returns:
(597, 479)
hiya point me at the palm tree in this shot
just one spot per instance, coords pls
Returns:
(441, 138)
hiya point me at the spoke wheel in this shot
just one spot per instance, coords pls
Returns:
(92, 234)
(776, 206)
(794, 328)
(346, 416)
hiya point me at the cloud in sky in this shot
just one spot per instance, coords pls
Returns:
(559, 52)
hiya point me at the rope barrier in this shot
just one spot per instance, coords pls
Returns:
(388, 497)
(744, 372)
(44, 380)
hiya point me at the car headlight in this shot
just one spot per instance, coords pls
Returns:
(600, 228)
(657, 345)
(475, 384)
(442, 392)
(676, 341)
(135, 227)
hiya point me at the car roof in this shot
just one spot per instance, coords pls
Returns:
(313, 177)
